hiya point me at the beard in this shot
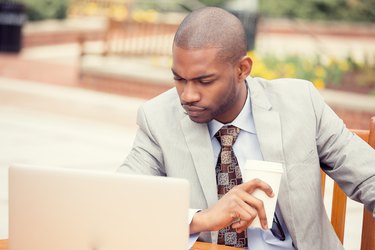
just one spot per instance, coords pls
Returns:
(225, 106)
(227, 103)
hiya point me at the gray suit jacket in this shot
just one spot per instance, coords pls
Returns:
(294, 126)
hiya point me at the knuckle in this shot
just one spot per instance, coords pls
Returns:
(260, 204)
(248, 217)
(233, 206)
(253, 214)
(235, 189)
(257, 181)
(232, 201)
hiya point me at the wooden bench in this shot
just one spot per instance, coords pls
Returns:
(339, 198)
(135, 38)
(130, 55)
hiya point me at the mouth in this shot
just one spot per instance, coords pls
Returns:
(193, 110)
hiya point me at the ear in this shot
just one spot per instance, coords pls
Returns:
(244, 68)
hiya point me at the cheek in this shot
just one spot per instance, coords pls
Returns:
(215, 95)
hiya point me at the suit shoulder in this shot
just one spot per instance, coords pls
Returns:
(290, 87)
(284, 83)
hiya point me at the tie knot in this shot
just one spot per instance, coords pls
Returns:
(227, 135)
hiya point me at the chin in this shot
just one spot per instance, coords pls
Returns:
(200, 119)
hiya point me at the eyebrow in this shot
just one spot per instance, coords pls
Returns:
(195, 78)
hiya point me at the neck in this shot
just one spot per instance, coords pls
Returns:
(237, 106)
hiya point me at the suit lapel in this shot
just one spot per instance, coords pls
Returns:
(267, 124)
(199, 144)
(268, 129)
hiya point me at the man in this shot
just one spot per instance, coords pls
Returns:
(216, 112)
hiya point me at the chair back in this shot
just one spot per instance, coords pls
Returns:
(339, 198)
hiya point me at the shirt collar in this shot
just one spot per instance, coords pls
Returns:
(244, 120)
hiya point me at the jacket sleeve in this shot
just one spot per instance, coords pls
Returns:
(145, 156)
(346, 158)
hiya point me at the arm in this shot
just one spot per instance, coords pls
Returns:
(346, 158)
(145, 156)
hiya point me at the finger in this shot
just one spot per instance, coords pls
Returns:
(254, 184)
(240, 226)
(254, 207)
(239, 197)
(257, 206)
(242, 211)
(248, 212)
(248, 208)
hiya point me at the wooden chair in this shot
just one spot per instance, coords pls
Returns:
(339, 201)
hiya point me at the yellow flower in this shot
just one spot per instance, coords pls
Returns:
(258, 68)
(91, 9)
(320, 72)
(118, 12)
(289, 70)
(252, 55)
(269, 75)
(343, 66)
(145, 16)
(319, 83)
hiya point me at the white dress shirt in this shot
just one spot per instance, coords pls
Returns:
(245, 148)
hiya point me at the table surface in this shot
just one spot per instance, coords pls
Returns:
(3, 244)
(197, 246)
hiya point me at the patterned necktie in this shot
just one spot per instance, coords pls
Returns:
(228, 175)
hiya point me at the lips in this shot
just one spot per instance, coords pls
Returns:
(193, 110)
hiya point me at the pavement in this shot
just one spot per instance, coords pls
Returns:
(52, 125)
(47, 118)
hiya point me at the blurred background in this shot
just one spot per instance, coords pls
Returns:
(73, 73)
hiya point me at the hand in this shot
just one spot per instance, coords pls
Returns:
(237, 208)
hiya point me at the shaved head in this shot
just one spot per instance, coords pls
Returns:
(212, 27)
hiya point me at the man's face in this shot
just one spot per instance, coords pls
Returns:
(208, 88)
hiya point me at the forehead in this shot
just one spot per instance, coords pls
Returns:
(192, 62)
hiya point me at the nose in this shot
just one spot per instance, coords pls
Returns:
(190, 93)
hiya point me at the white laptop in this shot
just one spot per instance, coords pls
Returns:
(66, 209)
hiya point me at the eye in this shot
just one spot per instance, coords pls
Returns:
(178, 79)
(206, 82)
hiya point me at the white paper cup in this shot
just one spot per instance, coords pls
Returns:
(269, 172)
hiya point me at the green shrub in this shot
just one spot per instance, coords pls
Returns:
(363, 11)
(213, 2)
(46, 9)
(322, 71)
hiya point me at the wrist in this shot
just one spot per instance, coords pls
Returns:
(199, 222)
